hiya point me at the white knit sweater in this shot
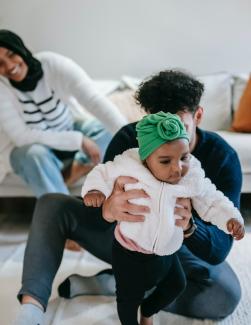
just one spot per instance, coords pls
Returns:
(158, 233)
(72, 86)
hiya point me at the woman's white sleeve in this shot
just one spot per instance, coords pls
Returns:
(74, 81)
(20, 134)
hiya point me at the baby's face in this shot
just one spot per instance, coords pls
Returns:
(170, 162)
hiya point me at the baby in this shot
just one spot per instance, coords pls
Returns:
(144, 253)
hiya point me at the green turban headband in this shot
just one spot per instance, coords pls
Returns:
(156, 129)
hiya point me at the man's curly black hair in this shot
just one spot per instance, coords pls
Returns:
(170, 91)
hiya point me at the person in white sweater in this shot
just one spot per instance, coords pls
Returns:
(41, 119)
(165, 171)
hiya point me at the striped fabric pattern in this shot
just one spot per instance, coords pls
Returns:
(42, 109)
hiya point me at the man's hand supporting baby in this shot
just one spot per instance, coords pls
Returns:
(117, 208)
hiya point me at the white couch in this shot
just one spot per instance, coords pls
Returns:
(220, 100)
(226, 92)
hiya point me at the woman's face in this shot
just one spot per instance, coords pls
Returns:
(12, 66)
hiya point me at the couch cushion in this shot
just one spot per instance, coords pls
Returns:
(127, 105)
(239, 84)
(241, 142)
(242, 116)
(216, 101)
(13, 186)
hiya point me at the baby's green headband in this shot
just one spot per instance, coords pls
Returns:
(156, 129)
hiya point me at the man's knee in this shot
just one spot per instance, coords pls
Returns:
(214, 297)
(51, 206)
(222, 302)
(230, 300)
(28, 156)
(55, 201)
(225, 288)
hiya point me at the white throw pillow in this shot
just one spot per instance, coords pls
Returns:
(127, 105)
(216, 101)
(131, 82)
(239, 84)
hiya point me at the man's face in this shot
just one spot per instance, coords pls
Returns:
(170, 162)
(12, 66)
(191, 122)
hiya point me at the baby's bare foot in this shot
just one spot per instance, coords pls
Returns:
(146, 320)
(72, 246)
(76, 172)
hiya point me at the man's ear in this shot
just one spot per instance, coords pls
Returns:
(198, 115)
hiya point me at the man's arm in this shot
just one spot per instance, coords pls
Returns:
(208, 242)
(123, 140)
(231, 179)
(117, 206)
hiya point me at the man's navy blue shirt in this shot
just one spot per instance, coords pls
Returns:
(221, 164)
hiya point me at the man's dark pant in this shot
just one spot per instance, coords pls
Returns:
(136, 273)
(211, 291)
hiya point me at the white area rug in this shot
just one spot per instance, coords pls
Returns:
(102, 310)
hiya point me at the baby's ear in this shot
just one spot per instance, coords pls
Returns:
(144, 163)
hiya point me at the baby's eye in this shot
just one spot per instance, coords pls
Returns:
(186, 158)
(165, 162)
(11, 54)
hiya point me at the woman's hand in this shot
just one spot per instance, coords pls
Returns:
(117, 208)
(91, 149)
(184, 212)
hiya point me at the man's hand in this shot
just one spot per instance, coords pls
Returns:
(94, 199)
(184, 212)
(117, 207)
(91, 149)
(236, 228)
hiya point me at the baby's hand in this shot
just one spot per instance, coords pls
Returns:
(94, 199)
(236, 228)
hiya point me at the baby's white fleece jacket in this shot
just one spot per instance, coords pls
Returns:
(158, 233)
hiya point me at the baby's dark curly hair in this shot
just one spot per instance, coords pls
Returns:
(170, 91)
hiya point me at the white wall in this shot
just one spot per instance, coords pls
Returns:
(137, 37)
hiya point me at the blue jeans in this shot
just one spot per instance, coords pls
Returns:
(40, 166)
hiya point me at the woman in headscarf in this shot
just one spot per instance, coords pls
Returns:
(40, 113)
